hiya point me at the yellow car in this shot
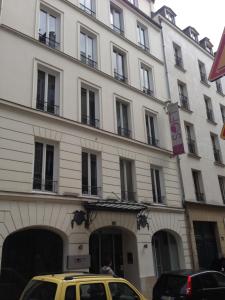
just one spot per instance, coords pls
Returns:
(80, 286)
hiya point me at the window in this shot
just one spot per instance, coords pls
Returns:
(119, 65)
(142, 36)
(198, 185)
(90, 179)
(92, 291)
(134, 2)
(157, 192)
(47, 92)
(70, 293)
(150, 121)
(202, 72)
(40, 290)
(88, 49)
(123, 118)
(178, 56)
(182, 88)
(44, 168)
(222, 108)
(126, 179)
(49, 28)
(194, 35)
(216, 148)
(120, 291)
(209, 110)
(88, 6)
(192, 147)
(222, 187)
(219, 87)
(89, 107)
(170, 16)
(146, 80)
(116, 18)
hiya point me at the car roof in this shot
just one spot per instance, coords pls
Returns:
(190, 272)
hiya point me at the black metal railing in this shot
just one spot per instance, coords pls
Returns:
(48, 107)
(90, 121)
(48, 185)
(153, 141)
(147, 91)
(91, 190)
(219, 87)
(143, 46)
(88, 10)
(124, 132)
(203, 77)
(178, 61)
(117, 29)
(120, 77)
(49, 41)
(88, 61)
(209, 113)
(200, 196)
(158, 199)
(217, 155)
(191, 146)
(184, 101)
(129, 196)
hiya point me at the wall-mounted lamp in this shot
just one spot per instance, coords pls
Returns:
(145, 246)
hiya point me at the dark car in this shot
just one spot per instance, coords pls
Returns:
(190, 285)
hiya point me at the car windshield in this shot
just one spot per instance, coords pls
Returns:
(39, 290)
(174, 284)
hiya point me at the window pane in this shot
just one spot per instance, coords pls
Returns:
(84, 106)
(129, 181)
(116, 19)
(39, 290)
(122, 179)
(119, 125)
(89, 47)
(49, 167)
(51, 94)
(120, 64)
(153, 185)
(52, 29)
(146, 79)
(84, 173)
(93, 291)
(115, 62)
(125, 118)
(38, 161)
(41, 90)
(122, 291)
(158, 187)
(70, 293)
(92, 108)
(152, 126)
(83, 43)
(43, 22)
(94, 190)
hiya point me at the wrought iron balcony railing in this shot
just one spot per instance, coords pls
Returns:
(147, 91)
(91, 190)
(88, 10)
(120, 77)
(129, 196)
(88, 61)
(200, 196)
(49, 41)
(90, 121)
(159, 199)
(143, 46)
(191, 146)
(184, 101)
(153, 141)
(48, 185)
(124, 132)
(48, 107)
(117, 29)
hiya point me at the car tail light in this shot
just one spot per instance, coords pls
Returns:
(189, 286)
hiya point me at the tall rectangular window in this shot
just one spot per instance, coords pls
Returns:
(43, 179)
(192, 147)
(126, 179)
(150, 121)
(178, 55)
(90, 180)
(116, 18)
(222, 109)
(147, 80)
(222, 187)
(88, 51)
(88, 6)
(89, 107)
(47, 99)
(157, 186)
(119, 65)
(122, 114)
(142, 36)
(209, 110)
(219, 87)
(202, 71)
(49, 28)
(182, 89)
(216, 148)
(198, 185)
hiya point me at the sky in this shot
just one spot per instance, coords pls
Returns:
(207, 17)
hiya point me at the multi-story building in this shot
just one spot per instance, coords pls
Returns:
(86, 164)
(202, 112)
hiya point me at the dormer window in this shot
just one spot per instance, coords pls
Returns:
(170, 16)
(193, 35)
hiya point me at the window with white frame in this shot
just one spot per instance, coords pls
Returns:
(89, 106)
(221, 180)
(142, 33)
(198, 185)
(219, 87)
(182, 89)
(192, 147)
(90, 174)
(88, 6)
(178, 55)
(44, 177)
(123, 118)
(116, 18)
(209, 109)
(126, 180)
(47, 98)
(119, 67)
(151, 129)
(88, 48)
(157, 185)
(222, 109)
(216, 148)
(49, 28)
(147, 80)
(202, 71)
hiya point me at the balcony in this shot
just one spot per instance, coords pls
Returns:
(217, 155)
(200, 196)
(90, 121)
(87, 10)
(147, 91)
(91, 190)
(184, 101)
(143, 46)
(48, 185)
(124, 132)
(117, 29)
(209, 113)
(178, 61)
(203, 77)
(48, 107)
(191, 146)
(49, 41)
(129, 196)
(153, 141)
(119, 77)
(88, 61)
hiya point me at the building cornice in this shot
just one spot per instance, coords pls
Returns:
(201, 205)
(87, 128)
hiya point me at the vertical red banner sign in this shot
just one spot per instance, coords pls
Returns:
(175, 129)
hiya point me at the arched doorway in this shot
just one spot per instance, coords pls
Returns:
(27, 253)
(118, 245)
(165, 251)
